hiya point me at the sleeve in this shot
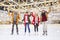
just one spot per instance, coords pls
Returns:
(18, 16)
(23, 18)
(39, 19)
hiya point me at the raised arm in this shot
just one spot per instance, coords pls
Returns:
(49, 10)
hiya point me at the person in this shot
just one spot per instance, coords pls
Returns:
(35, 21)
(15, 19)
(44, 19)
(26, 21)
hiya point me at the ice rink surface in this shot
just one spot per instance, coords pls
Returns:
(53, 33)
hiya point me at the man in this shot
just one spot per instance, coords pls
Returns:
(27, 21)
(15, 19)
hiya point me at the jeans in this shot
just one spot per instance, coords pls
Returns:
(27, 25)
(36, 27)
(14, 23)
(45, 28)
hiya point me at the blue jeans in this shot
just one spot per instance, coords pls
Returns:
(27, 25)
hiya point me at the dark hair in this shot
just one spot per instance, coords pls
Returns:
(26, 12)
(11, 11)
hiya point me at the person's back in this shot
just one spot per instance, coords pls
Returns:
(15, 16)
(44, 17)
(44, 20)
(43, 14)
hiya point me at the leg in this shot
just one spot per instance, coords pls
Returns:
(35, 28)
(12, 28)
(28, 27)
(25, 28)
(43, 28)
(17, 28)
(43, 32)
(46, 32)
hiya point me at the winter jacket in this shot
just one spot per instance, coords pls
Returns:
(28, 19)
(33, 21)
(17, 18)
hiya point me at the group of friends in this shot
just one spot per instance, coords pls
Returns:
(35, 21)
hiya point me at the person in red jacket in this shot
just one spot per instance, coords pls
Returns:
(35, 21)
(26, 21)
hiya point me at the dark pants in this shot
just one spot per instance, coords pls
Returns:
(14, 23)
(36, 27)
(27, 25)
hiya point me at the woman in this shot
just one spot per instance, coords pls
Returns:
(26, 21)
(35, 21)
(44, 19)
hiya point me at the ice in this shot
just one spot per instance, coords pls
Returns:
(53, 33)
